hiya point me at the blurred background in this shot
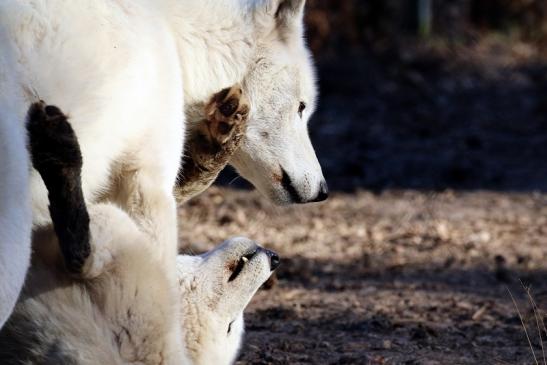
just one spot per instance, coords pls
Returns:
(432, 134)
(455, 99)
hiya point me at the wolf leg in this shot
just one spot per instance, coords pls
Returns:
(15, 212)
(89, 240)
(56, 156)
(210, 147)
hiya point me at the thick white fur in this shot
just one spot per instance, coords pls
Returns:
(124, 70)
(128, 313)
(15, 215)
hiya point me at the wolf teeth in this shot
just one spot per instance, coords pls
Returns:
(244, 259)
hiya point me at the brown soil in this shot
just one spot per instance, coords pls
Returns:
(402, 277)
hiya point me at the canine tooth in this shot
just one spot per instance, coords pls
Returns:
(244, 259)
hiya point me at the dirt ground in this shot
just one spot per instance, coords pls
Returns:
(397, 278)
(436, 155)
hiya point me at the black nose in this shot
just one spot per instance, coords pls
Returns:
(323, 193)
(274, 259)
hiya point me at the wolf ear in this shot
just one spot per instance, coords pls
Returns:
(285, 16)
(289, 13)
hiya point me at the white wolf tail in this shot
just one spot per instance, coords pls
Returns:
(15, 211)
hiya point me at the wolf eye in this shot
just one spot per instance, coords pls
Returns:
(230, 327)
(301, 108)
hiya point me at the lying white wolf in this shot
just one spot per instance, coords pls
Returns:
(125, 310)
(125, 71)
(127, 314)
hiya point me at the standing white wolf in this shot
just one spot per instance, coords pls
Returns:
(125, 71)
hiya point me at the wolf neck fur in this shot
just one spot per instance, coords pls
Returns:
(216, 42)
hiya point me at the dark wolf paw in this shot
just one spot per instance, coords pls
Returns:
(57, 157)
(210, 146)
(221, 132)
(226, 117)
(53, 143)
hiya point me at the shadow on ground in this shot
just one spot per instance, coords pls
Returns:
(340, 315)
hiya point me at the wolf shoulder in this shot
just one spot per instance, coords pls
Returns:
(70, 53)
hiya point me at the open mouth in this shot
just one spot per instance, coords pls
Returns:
(243, 260)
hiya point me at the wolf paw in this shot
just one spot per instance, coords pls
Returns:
(53, 142)
(226, 115)
(211, 145)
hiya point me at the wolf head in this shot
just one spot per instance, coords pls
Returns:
(215, 288)
(277, 156)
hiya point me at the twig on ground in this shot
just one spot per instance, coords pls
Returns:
(479, 313)
(523, 325)
(538, 320)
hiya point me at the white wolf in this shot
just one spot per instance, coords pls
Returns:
(125, 70)
(128, 313)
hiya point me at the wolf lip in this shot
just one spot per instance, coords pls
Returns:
(241, 264)
(288, 186)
